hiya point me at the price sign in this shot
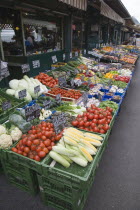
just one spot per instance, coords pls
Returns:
(6, 105)
(72, 83)
(85, 98)
(36, 64)
(59, 122)
(70, 54)
(76, 71)
(54, 59)
(47, 104)
(85, 52)
(68, 73)
(22, 94)
(80, 51)
(76, 54)
(29, 113)
(58, 98)
(64, 57)
(89, 82)
(37, 89)
(100, 97)
(62, 81)
(25, 68)
(4, 72)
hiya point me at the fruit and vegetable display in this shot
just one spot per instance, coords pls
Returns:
(47, 80)
(37, 142)
(61, 130)
(94, 119)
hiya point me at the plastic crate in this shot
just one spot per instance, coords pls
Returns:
(21, 177)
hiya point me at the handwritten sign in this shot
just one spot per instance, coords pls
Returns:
(25, 68)
(22, 94)
(6, 105)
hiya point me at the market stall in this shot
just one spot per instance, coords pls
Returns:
(55, 126)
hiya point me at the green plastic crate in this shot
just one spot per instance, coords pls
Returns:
(21, 177)
(68, 181)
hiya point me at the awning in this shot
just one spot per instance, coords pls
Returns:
(33, 22)
(110, 13)
(80, 4)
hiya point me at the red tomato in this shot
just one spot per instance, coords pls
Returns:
(25, 154)
(87, 124)
(33, 147)
(36, 142)
(14, 149)
(102, 131)
(52, 144)
(96, 129)
(37, 158)
(47, 142)
(19, 152)
(81, 123)
(38, 149)
(45, 150)
(50, 148)
(43, 137)
(29, 143)
(75, 123)
(41, 154)
(26, 150)
(93, 125)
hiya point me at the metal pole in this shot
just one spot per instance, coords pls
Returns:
(1, 48)
(23, 34)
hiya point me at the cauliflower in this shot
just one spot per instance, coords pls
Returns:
(2, 130)
(16, 134)
(5, 141)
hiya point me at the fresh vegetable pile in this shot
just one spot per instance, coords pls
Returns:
(111, 104)
(47, 80)
(75, 146)
(94, 119)
(75, 94)
(38, 142)
(122, 78)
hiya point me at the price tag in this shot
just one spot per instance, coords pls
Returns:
(4, 72)
(68, 73)
(59, 122)
(76, 71)
(89, 82)
(29, 113)
(25, 68)
(62, 81)
(54, 59)
(100, 97)
(76, 53)
(64, 57)
(37, 89)
(85, 98)
(22, 94)
(70, 54)
(58, 98)
(80, 51)
(47, 104)
(36, 64)
(72, 83)
(85, 52)
(6, 105)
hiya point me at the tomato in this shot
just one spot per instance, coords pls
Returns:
(47, 134)
(45, 150)
(29, 143)
(94, 121)
(106, 127)
(36, 142)
(52, 144)
(41, 154)
(96, 129)
(24, 141)
(34, 131)
(26, 149)
(30, 131)
(22, 148)
(50, 148)
(23, 136)
(48, 142)
(58, 137)
(14, 149)
(37, 158)
(108, 121)
(33, 147)
(81, 123)
(20, 152)
(101, 116)
(102, 131)
(93, 125)
(42, 145)
(96, 116)
(75, 123)
(43, 138)
(87, 124)
(25, 154)
(38, 149)
(90, 116)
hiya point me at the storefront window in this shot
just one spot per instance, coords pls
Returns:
(10, 29)
(42, 35)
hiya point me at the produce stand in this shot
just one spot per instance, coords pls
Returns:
(64, 187)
